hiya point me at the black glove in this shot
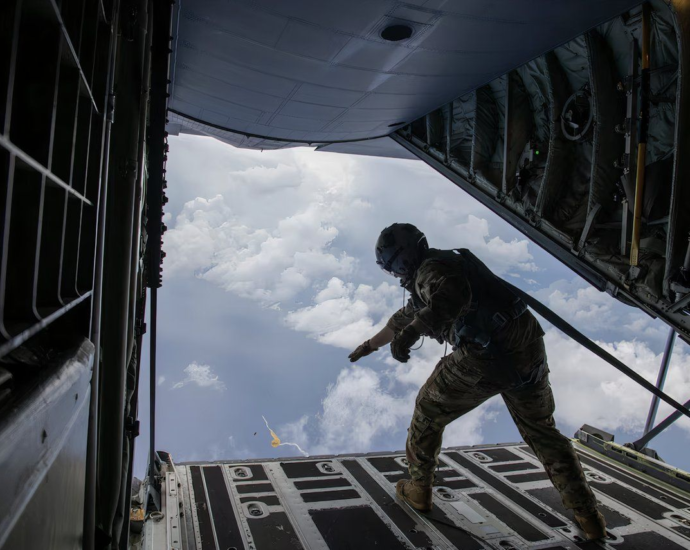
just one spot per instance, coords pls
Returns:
(362, 351)
(403, 341)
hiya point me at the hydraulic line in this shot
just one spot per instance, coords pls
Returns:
(152, 386)
(92, 444)
(113, 448)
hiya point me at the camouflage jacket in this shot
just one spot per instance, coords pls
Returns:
(441, 293)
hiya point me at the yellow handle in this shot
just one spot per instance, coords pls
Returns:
(641, 149)
(637, 212)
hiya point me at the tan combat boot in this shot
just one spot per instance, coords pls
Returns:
(416, 494)
(591, 522)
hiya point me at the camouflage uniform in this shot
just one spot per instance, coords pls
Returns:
(514, 366)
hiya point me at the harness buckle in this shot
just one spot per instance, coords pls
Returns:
(500, 319)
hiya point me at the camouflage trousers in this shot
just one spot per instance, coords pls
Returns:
(460, 383)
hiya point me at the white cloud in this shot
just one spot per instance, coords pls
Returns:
(583, 306)
(357, 411)
(474, 233)
(596, 313)
(367, 410)
(268, 179)
(286, 223)
(357, 414)
(265, 265)
(201, 375)
(161, 380)
(589, 390)
(501, 255)
(364, 410)
(467, 430)
(360, 414)
(344, 315)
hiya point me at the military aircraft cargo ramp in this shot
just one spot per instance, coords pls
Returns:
(488, 496)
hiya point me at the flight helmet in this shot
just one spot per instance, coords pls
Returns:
(400, 249)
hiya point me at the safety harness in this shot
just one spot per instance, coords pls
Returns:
(493, 304)
(466, 331)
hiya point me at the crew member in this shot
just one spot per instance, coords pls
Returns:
(497, 347)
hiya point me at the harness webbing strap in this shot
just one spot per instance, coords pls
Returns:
(581, 339)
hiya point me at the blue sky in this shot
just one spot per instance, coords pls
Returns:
(270, 282)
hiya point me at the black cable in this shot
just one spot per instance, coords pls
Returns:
(419, 346)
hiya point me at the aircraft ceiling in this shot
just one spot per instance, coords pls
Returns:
(274, 73)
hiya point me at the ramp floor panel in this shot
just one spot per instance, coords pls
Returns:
(491, 496)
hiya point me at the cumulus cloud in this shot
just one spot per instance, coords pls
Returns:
(358, 410)
(467, 430)
(369, 409)
(264, 265)
(364, 409)
(589, 390)
(360, 414)
(598, 314)
(583, 305)
(344, 315)
(201, 375)
(276, 229)
(499, 254)
(268, 179)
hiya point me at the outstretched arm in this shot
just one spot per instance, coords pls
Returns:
(398, 321)
(380, 339)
